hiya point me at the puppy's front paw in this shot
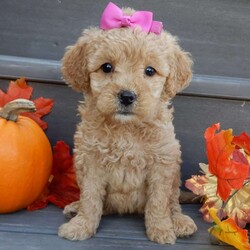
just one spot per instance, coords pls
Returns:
(76, 229)
(183, 225)
(161, 235)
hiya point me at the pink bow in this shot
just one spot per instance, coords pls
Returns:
(113, 17)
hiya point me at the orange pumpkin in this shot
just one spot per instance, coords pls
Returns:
(25, 157)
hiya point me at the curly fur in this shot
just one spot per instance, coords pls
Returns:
(127, 163)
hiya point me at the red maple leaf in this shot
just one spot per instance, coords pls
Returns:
(20, 89)
(43, 107)
(63, 188)
(17, 89)
(230, 173)
(42, 201)
(242, 141)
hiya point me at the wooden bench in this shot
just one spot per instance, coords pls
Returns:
(209, 99)
(194, 111)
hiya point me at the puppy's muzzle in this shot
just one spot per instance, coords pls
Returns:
(126, 97)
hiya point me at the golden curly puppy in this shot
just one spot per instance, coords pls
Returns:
(127, 159)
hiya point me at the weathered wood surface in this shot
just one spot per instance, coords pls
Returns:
(217, 33)
(38, 230)
(50, 71)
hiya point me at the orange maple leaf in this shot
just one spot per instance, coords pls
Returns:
(43, 107)
(20, 89)
(231, 174)
(228, 232)
(62, 188)
(17, 89)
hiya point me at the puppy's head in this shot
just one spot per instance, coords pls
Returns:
(127, 72)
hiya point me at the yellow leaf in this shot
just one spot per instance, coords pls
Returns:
(228, 232)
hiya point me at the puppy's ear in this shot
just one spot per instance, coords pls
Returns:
(75, 61)
(180, 63)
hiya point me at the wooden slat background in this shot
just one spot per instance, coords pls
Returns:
(217, 33)
(193, 114)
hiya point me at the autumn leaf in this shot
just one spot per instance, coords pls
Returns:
(242, 141)
(42, 201)
(237, 207)
(43, 107)
(205, 185)
(62, 189)
(231, 174)
(20, 89)
(228, 232)
(196, 184)
(240, 156)
(17, 89)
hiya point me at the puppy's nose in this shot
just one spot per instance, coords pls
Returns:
(127, 97)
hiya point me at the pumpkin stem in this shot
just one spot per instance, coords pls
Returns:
(12, 109)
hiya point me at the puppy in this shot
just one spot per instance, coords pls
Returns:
(126, 156)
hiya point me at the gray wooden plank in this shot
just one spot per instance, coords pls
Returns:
(127, 229)
(217, 33)
(12, 67)
(219, 87)
(22, 241)
(50, 71)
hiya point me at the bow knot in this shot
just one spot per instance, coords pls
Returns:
(125, 21)
(113, 17)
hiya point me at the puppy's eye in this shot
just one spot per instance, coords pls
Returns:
(107, 68)
(149, 71)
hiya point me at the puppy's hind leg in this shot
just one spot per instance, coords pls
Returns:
(71, 210)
